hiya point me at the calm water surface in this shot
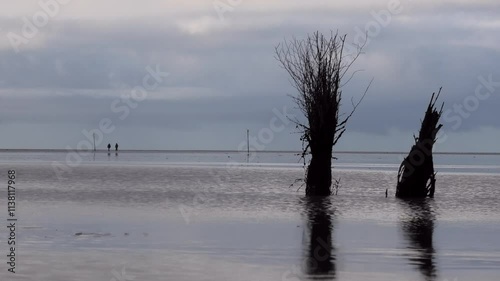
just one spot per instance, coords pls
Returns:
(190, 216)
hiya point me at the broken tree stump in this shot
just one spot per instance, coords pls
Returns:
(416, 176)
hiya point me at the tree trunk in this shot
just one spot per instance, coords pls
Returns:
(416, 177)
(319, 174)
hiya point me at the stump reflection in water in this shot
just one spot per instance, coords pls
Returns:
(418, 229)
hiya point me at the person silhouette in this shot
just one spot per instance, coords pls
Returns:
(116, 147)
(109, 146)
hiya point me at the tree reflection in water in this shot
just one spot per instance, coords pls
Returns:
(319, 251)
(418, 230)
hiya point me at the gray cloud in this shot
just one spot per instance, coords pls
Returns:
(224, 79)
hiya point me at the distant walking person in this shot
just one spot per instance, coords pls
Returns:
(116, 147)
(109, 146)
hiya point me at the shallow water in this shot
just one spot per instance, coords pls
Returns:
(192, 217)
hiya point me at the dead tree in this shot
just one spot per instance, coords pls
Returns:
(317, 66)
(416, 176)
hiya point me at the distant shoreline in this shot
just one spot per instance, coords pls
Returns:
(235, 151)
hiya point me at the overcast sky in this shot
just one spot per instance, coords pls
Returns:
(64, 67)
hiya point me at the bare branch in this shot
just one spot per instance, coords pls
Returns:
(316, 66)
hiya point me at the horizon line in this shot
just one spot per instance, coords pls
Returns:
(232, 151)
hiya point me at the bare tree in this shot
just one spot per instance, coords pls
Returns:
(416, 177)
(317, 66)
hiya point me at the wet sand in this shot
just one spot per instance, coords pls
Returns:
(168, 222)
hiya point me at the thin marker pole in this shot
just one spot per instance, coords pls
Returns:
(248, 142)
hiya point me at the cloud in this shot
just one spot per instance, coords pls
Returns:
(223, 75)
